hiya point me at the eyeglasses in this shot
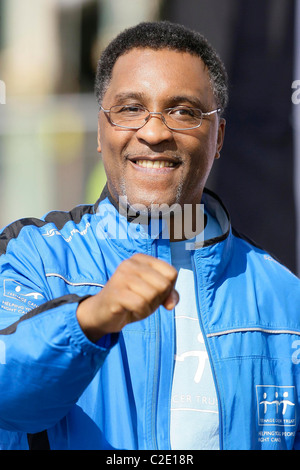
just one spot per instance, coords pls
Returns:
(179, 118)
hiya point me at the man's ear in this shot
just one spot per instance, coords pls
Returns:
(98, 139)
(221, 135)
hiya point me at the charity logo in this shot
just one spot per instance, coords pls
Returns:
(202, 358)
(276, 405)
(15, 290)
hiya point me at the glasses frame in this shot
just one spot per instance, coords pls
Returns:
(152, 113)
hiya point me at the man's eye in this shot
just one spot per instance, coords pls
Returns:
(182, 111)
(131, 109)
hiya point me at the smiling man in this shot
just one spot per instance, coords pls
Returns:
(169, 158)
(139, 335)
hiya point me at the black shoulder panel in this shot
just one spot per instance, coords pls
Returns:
(59, 218)
(13, 230)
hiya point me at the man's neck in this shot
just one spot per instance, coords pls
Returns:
(187, 223)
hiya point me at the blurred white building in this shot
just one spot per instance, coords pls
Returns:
(48, 124)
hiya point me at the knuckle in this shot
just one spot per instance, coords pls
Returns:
(137, 258)
(126, 266)
(173, 274)
(142, 307)
(165, 285)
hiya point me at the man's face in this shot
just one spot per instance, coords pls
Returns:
(158, 80)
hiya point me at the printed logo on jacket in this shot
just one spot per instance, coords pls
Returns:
(18, 298)
(276, 412)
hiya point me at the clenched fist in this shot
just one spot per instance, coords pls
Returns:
(137, 288)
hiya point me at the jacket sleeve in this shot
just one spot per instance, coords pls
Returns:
(46, 361)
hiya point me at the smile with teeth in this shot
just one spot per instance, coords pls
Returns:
(154, 164)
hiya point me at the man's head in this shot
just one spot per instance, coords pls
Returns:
(155, 67)
(163, 35)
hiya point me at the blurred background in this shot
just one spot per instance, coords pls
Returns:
(48, 112)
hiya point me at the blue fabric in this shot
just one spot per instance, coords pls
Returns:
(117, 394)
(194, 407)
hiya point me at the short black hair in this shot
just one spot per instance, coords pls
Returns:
(163, 35)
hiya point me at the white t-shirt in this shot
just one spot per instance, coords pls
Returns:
(194, 407)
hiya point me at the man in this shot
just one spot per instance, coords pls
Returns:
(130, 324)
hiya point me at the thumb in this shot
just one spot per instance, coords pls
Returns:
(172, 300)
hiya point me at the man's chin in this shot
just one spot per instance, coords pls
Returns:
(155, 207)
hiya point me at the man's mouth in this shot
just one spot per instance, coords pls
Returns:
(155, 163)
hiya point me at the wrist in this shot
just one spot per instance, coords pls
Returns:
(88, 320)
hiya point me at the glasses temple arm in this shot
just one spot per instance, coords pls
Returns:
(218, 110)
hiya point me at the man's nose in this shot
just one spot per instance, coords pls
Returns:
(155, 130)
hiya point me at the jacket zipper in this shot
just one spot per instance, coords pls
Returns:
(155, 372)
(208, 352)
(157, 364)
(155, 382)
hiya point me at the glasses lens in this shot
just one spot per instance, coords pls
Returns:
(183, 117)
(128, 116)
(134, 116)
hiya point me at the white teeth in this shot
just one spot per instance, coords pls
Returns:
(155, 164)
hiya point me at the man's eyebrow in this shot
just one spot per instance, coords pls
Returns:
(195, 102)
(171, 100)
(127, 95)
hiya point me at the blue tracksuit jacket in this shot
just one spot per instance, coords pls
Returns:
(60, 390)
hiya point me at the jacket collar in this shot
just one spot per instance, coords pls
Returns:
(131, 232)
